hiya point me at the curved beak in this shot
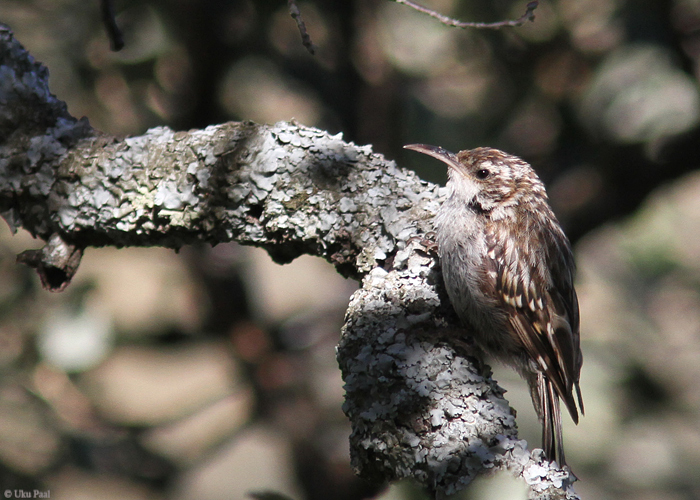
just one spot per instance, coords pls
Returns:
(436, 152)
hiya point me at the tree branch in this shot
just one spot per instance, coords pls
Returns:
(116, 38)
(529, 15)
(301, 25)
(419, 403)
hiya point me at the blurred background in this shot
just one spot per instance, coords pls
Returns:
(211, 374)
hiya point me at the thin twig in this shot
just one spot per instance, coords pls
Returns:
(296, 15)
(528, 16)
(116, 39)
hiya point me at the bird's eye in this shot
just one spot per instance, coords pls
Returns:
(482, 174)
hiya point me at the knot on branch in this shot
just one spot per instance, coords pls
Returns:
(56, 263)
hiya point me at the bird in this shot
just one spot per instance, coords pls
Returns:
(509, 272)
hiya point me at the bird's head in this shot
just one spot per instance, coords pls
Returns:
(487, 178)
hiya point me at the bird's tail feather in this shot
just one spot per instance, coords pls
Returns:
(550, 415)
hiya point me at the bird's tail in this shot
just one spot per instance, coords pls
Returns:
(546, 402)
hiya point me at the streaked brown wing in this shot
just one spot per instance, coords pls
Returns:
(534, 283)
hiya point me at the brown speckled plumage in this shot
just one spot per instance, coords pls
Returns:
(509, 272)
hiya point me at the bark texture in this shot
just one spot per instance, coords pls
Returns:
(420, 403)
